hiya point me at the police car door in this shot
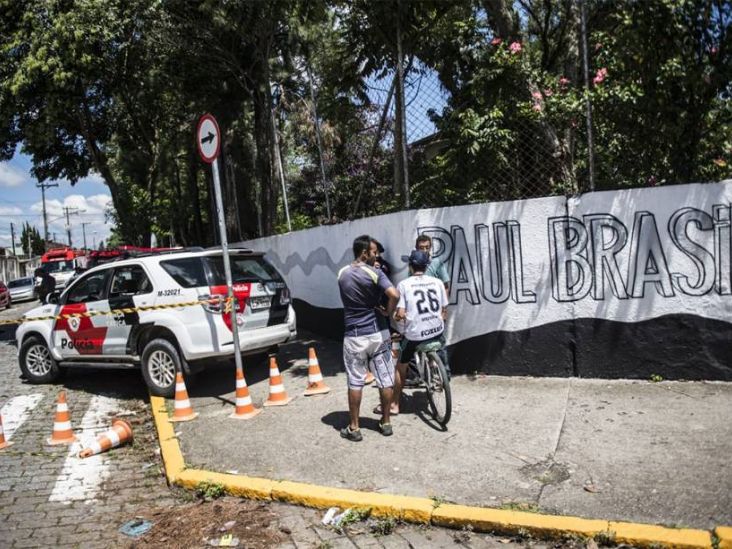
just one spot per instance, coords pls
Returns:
(83, 331)
(130, 286)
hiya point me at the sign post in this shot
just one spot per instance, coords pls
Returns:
(208, 140)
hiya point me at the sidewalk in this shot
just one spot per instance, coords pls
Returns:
(637, 451)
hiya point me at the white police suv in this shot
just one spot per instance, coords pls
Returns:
(169, 317)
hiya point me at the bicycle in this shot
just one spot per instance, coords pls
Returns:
(432, 372)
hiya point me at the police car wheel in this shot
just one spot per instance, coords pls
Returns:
(36, 362)
(160, 362)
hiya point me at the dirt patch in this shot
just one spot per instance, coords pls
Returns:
(197, 524)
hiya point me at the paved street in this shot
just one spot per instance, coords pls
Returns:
(51, 498)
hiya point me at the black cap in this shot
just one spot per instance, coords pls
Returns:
(418, 258)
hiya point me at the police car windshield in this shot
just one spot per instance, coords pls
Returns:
(243, 269)
(58, 266)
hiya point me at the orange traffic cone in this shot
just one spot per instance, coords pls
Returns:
(244, 407)
(277, 394)
(182, 410)
(62, 432)
(120, 433)
(3, 442)
(316, 386)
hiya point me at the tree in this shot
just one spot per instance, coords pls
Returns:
(31, 241)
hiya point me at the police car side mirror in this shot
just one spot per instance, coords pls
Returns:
(53, 297)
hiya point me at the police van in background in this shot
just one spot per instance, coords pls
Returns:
(161, 339)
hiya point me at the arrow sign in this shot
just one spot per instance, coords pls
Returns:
(208, 138)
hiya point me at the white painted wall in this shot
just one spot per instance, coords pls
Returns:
(627, 255)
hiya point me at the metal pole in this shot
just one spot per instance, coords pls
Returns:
(227, 264)
(12, 237)
(83, 230)
(320, 141)
(43, 187)
(401, 116)
(68, 225)
(588, 103)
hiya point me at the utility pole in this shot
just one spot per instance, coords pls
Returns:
(401, 165)
(43, 187)
(75, 211)
(83, 230)
(12, 236)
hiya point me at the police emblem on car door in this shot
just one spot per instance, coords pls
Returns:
(82, 328)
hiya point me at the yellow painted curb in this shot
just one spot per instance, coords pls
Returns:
(515, 522)
(421, 510)
(237, 485)
(646, 535)
(169, 447)
(385, 505)
(724, 534)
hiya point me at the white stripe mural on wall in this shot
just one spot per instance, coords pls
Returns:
(626, 255)
(623, 255)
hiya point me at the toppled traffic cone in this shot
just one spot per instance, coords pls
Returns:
(277, 394)
(62, 432)
(316, 386)
(244, 407)
(3, 442)
(120, 433)
(182, 410)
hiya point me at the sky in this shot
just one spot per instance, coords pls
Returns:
(20, 202)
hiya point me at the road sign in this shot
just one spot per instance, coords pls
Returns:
(208, 138)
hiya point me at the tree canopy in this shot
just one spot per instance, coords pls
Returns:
(116, 87)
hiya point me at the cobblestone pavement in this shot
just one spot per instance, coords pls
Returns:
(51, 498)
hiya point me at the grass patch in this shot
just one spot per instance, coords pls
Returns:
(523, 506)
(605, 539)
(437, 501)
(208, 491)
(383, 526)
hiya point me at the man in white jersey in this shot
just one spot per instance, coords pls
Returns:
(423, 308)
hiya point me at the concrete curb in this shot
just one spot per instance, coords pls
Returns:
(423, 510)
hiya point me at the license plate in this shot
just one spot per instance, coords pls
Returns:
(262, 302)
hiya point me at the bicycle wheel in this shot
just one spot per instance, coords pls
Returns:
(438, 388)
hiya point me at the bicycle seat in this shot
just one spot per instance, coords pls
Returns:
(429, 346)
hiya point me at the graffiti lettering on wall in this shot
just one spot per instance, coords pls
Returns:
(597, 256)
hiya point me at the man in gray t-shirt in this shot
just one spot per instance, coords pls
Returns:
(436, 267)
(366, 342)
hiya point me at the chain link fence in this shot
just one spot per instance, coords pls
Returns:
(331, 176)
(346, 158)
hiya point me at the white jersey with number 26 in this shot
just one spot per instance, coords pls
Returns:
(423, 297)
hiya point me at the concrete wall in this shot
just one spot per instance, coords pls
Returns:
(610, 284)
(11, 267)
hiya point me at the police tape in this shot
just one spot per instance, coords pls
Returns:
(125, 310)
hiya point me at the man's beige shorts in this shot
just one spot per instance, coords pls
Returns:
(369, 352)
